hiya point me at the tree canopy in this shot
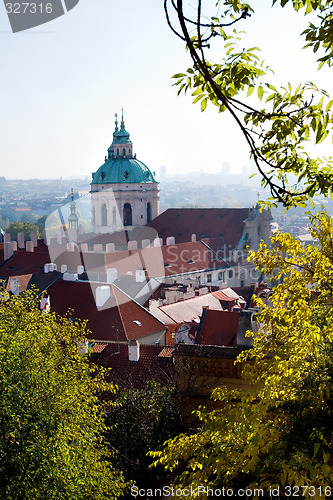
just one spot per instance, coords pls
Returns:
(279, 433)
(278, 126)
(51, 420)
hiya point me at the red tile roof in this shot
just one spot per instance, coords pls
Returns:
(219, 328)
(204, 222)
(135, 374)
(121, 319)
(23, 262)
(226, 295)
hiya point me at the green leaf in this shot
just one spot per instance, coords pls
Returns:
(260, 92)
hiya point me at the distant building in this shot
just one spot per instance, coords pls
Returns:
(124, 192)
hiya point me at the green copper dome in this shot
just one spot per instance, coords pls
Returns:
(124, 170)
(120, 166)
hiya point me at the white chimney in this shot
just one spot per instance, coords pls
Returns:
(98, 248)
(29, 246)
(80, 270)
(140, 276)
(158, 242)
(33, 237)
(170, 240)
(102, 295)
(70, 277)
(50, 267)
(111, 275)
(134, 351)
(6, 238)
(8, 250)
(83, 247)
(110, 248)
(194, 237)
(20, 239)
(132, 245)
(63, 268)
(71, 246)
(145, 243)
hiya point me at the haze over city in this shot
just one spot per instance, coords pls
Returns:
(62, 83)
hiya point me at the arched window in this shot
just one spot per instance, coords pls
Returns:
(104, 215)
(127, 212)
(148, 213)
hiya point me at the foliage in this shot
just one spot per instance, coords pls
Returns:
(142, 420)
(278, 128)
(281, 431)
(51, 421)
(25, 227)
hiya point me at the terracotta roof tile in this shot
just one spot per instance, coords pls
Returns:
(114, 322)
(135, 374)
(204, 222)
(219, 328)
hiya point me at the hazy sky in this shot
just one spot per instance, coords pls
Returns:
(62, 82)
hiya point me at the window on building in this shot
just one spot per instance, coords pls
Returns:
(209, 278)
(148, 212)
(230, 274)
(104, 215)
(124, 153)
(127, 214)
(220, 276)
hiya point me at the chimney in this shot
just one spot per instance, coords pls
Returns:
(29, 246)
(140, 276)
(132, 245)
(63, 268)
(6, 238)
(8, 250)
(98, 248)
(133, 351)
(170, 240)
(70, 277)
(110, 248)
(83, 247)
(80, 270)
(158, 242)
(145, 243)
(20, 239)
(193, 237)
(111, 275)
(14, 246)
(102, 295)
(71, 246)
(33, 237)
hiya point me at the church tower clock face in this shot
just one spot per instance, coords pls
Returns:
(124, 192)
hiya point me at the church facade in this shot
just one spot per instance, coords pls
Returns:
(124, 192)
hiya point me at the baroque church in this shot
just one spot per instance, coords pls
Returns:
(124, 192)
